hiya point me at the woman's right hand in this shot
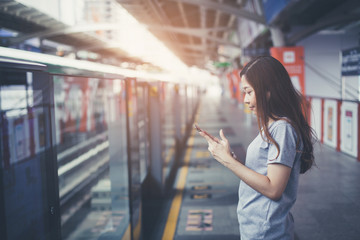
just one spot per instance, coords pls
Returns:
(219, 149)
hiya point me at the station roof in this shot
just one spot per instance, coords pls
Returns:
(28, 22)
(194, 30)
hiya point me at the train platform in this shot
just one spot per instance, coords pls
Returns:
(205, 197)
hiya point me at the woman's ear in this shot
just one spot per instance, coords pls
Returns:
(268, 95)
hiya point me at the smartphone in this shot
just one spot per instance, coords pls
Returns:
(208, 134)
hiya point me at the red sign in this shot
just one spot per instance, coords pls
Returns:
(236, 74)
(232, 86)
(293, 60)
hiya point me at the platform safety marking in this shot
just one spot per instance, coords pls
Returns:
(201, 187)
(170, 227)
(127, 234)
(201, 196)
(202, 154)
(108, 221)
(202, 166)
(170, 153)
(199, 220)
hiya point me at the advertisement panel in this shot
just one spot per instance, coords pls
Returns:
(330, 123)
(293, 60)
(349, 128)
(316, 116)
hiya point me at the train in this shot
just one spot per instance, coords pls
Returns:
(87, 148)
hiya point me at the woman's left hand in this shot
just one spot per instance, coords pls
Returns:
(219, 149)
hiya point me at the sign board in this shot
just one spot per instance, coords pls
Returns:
(350, 64)
(293, 60)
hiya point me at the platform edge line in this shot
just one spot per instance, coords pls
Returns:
(173, 216)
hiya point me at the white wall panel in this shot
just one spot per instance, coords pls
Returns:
(349, 128)
(322, 62)
(316, 116)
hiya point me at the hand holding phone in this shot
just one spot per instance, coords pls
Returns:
(205, 132)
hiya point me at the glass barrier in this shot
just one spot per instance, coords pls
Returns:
(168, 99)
(27, 183)
(143, 126)
(90, 122)
(134, 158)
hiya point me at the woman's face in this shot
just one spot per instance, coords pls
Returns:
(250, 98)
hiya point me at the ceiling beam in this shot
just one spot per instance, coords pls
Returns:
(203, 14)
(65, 31)
(193, 54)
(227, 8)
(193, 47)
(97, 47)
(307, 31)
(199, 33)
(184, 19)
(186, 30)
(220, 41)
(230, 24)
(217, 19)
(201, 55)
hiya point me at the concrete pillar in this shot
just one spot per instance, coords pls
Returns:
(277, 37)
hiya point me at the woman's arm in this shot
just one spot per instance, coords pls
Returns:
(272, 185)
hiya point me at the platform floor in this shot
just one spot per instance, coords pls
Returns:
(205, 193)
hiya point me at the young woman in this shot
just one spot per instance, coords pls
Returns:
(275, 158)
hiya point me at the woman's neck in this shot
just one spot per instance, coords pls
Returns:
(270, 122)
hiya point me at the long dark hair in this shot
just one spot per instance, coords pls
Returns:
(276, 98)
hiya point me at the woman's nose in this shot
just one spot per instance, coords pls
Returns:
(246, 101)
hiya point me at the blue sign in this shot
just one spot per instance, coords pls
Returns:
(350, 64)
(272, 8)
(254, 52)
